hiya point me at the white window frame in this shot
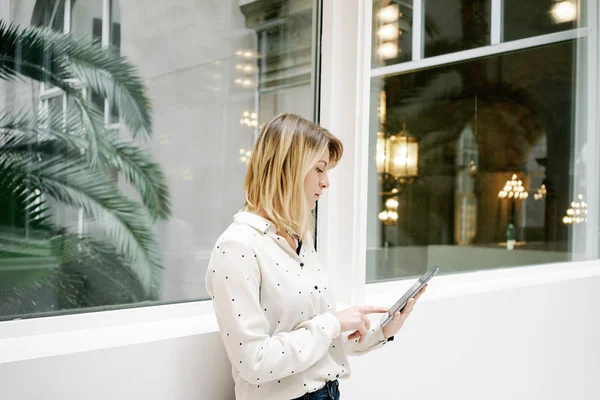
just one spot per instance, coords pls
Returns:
(345, 82)
(347, 35)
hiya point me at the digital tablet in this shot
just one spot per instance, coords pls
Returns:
(399, 305)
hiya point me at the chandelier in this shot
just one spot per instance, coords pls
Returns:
(577, 213)
(398, 155)
(513, 190)
(541, 192)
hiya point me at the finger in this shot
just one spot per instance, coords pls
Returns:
(363, 332)
(365, 320)
(418, 296)
(397, 320)
(354, 335)
(410, 304)
(373, 309)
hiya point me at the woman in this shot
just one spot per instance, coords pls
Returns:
(275, 309)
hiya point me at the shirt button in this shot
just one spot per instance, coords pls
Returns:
(302, 264)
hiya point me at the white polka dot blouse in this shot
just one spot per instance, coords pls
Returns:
(274, 310)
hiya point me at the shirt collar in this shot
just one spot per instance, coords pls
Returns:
(254, 220)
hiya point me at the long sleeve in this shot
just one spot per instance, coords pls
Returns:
(234, 282)
(375, 339)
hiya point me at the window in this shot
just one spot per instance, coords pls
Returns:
(136, 225)
(482, 159)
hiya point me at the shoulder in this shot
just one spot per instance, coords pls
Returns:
(234, 254)
(238, 235)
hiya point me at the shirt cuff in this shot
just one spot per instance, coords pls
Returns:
(380, 336)
(337, 327)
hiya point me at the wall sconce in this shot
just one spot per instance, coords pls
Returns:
(389, 13)
(577, 213)
(397, 160)
(388, 50)
(563, 11)
(398, 155)
(389, 31)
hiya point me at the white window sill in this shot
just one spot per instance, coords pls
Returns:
(464, 284)
(66, 334)
(51, 336)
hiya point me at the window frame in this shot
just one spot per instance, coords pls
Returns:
(343, 218)
(590, 79)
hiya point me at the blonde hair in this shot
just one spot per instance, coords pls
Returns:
(287, 148)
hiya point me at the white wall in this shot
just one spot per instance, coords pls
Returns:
(536, 342)
(530, 341)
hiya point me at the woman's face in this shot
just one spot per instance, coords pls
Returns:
(317, 180)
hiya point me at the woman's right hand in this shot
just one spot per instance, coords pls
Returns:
(355, 319)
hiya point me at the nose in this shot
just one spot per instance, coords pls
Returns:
(324, 183)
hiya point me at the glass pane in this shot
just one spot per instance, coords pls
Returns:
(471, 165)
(97, 100)
(392, 32)
(115, 41)
(115, 24)
(49, 13)
(285, 48)
(86, 18)
(55, 104)
(455, 25)
(224, 68)
(523, 19)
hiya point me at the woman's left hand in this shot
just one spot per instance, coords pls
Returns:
(396, 323)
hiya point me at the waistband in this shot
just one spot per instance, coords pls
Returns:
(329, 388)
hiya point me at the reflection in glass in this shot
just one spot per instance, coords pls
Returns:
(456, 25)
(523, 19)
(492, 133)
(392, 32)
(51, 14)
(86, 18)
(225, 69)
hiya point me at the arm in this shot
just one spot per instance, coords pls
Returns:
(233, 280)
(375, 339)
(378, 336)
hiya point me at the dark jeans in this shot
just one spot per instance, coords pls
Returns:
(330, 391)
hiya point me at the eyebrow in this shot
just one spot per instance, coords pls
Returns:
(323, 161)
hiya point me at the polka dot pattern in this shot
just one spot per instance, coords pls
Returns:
(274, 306)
